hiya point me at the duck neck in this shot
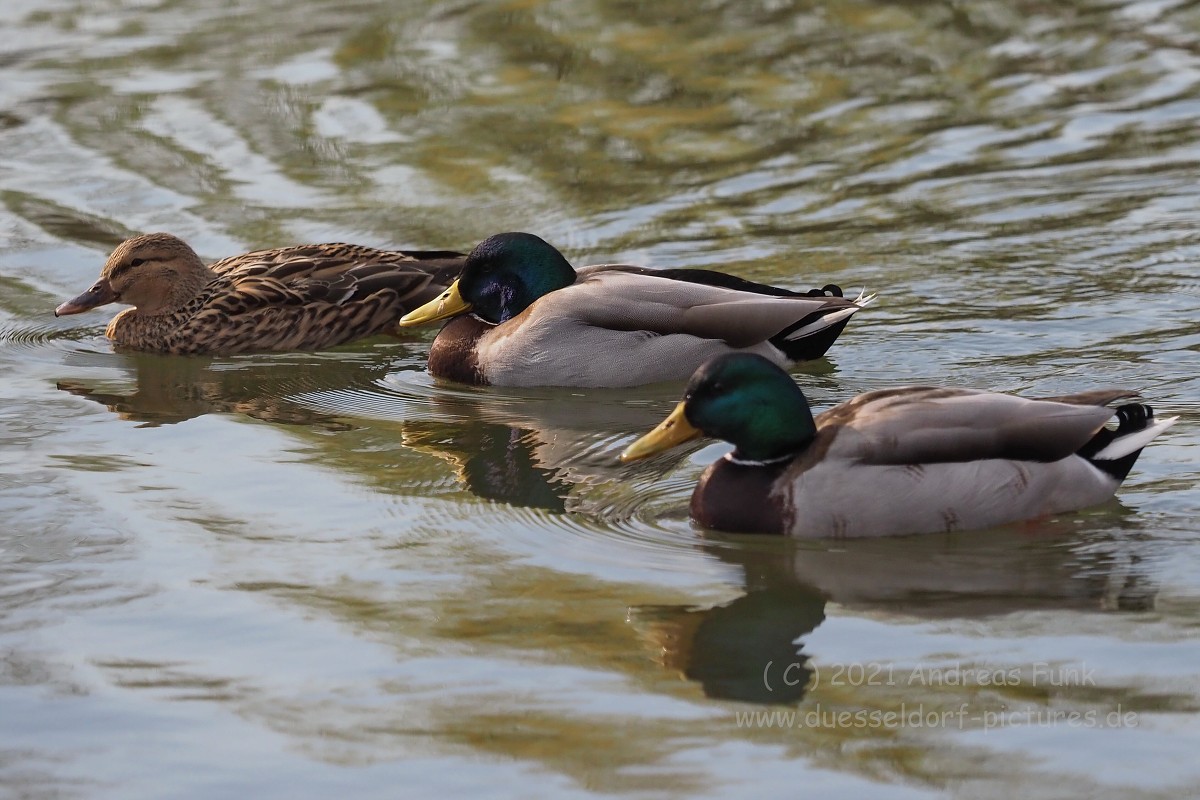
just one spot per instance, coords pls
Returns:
(181, 291)
(192, 284)
(738, 458)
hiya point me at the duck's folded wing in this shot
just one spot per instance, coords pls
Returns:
(302, 280)
(307, 257)
(921, 425)
(616, 299)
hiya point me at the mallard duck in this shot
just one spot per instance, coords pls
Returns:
(293, 298)
(535, 321)
(913, 459)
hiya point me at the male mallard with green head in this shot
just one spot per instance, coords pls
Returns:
(523, 316)
(293, 298)
(913, 459)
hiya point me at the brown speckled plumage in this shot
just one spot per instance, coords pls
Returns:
(306, 297)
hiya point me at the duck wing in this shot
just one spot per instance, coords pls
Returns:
(333, 253)
(701, 303)
(335, 274)
(925, 425)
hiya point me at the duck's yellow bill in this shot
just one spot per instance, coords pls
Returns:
(447, 304)
(672, 431)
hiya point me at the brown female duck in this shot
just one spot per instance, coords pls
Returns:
(293, 298)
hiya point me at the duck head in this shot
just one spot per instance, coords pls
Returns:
(157, 273)
(501, 277)
(742, 399)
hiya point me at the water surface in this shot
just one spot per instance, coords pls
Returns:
(299, 574)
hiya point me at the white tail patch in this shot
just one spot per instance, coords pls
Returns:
(820, 324)
(1124, 445)
(831, 318)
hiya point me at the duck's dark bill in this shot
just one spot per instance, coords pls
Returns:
(99, 295)
(672, 431)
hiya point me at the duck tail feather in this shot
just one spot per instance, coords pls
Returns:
(1115, 451)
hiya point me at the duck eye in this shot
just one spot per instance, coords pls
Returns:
(137, 262)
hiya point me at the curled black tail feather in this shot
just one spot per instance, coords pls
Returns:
(1131, 418)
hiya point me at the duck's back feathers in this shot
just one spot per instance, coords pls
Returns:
(805, 339)
(336, 273)
(284, 261)
(921, 425)
(710, 277)
(703, 304)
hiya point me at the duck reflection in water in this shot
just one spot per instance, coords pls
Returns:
(727, 648)
(168, 390)
(493, 461)
(532, 450)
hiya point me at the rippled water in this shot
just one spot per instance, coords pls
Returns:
(294, 575)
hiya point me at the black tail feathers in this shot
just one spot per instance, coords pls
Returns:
(1131, 418)
(812, 345)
